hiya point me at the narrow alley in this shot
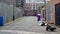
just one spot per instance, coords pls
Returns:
(29, 16)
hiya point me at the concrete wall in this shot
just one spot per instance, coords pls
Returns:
(7, 12)
(17, 12)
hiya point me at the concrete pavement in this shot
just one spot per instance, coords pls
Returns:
(25, 25)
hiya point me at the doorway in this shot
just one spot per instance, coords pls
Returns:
(57, 14)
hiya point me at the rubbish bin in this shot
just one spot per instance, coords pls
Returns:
(1, 21)
(38, 17)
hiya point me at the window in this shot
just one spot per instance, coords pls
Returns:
(19, 3)
(49, 13)
(28, 6)
(32, 6)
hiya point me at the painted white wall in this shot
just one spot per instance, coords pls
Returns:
(36, 1)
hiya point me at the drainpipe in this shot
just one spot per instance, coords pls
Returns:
(45, 9)
(13, 11)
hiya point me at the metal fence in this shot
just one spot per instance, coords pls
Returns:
(8, 10)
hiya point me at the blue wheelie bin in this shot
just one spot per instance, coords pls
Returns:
(1, 20)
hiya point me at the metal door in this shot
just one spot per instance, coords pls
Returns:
(57, 14)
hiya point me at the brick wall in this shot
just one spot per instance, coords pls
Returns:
(10, 2)
(52, 4)
(30, 12)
